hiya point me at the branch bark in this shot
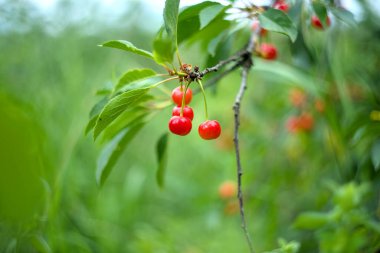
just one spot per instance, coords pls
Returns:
(242, 58)
(246, 66)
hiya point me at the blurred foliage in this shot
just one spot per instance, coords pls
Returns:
(317, 188)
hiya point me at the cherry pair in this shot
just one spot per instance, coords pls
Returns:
(181, 123)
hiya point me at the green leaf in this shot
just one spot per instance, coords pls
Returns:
(209, 14)
(126, 119)
(213, 45)
(127, 46)
(375, 155)
(278, 21)
(106, 89)
(288, 75)
(133, 75)
(94, 113)
(163, 48)
(344, 15)
(161, 151)
(40, 244)
(214, 29)
(91, 124)
(97, 108)
(171, 20)
(189, 21)
(112, 151)
(321, 12)
(116, 106)
(311, 220)
(286, 247)
(148, 82)
(103, 91)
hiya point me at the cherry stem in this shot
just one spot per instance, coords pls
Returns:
(164, 81)
(183, 99)
(204, 97)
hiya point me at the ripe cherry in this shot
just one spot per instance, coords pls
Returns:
(306, 121)
(317, 24)
(187, 112)
(268, 51)
(282, 6)
(293, 124)
(180, 125)
(210, 129)
(227, 190)
(177, 95)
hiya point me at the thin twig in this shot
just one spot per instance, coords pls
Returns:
(246, 66)
(215, 68)
(238, 57)
(217, 78)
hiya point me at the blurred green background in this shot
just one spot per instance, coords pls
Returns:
(50, 69)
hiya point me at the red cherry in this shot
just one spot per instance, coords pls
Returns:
(227, 190)
(180, 125)
(210, 129)
(187, 112)
(282, 6)
(317, 24)
(177, 95)
(268, 51)
(306, 121)
(293, 124)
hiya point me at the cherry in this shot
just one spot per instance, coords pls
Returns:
(187, 112)
(180, 125)
(282, 6)
(306, 121)
(268, 51)
(317, 24)
(227, 190)
(177, 95)
(293, 124)
(210, 129)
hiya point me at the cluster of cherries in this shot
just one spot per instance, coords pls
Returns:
(304, 122)
(182, 116)
(269, 51)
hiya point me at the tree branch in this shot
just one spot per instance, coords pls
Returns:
(246, 66)
(242, 58)
(215, 68)
(239, 57)
(217, 78)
